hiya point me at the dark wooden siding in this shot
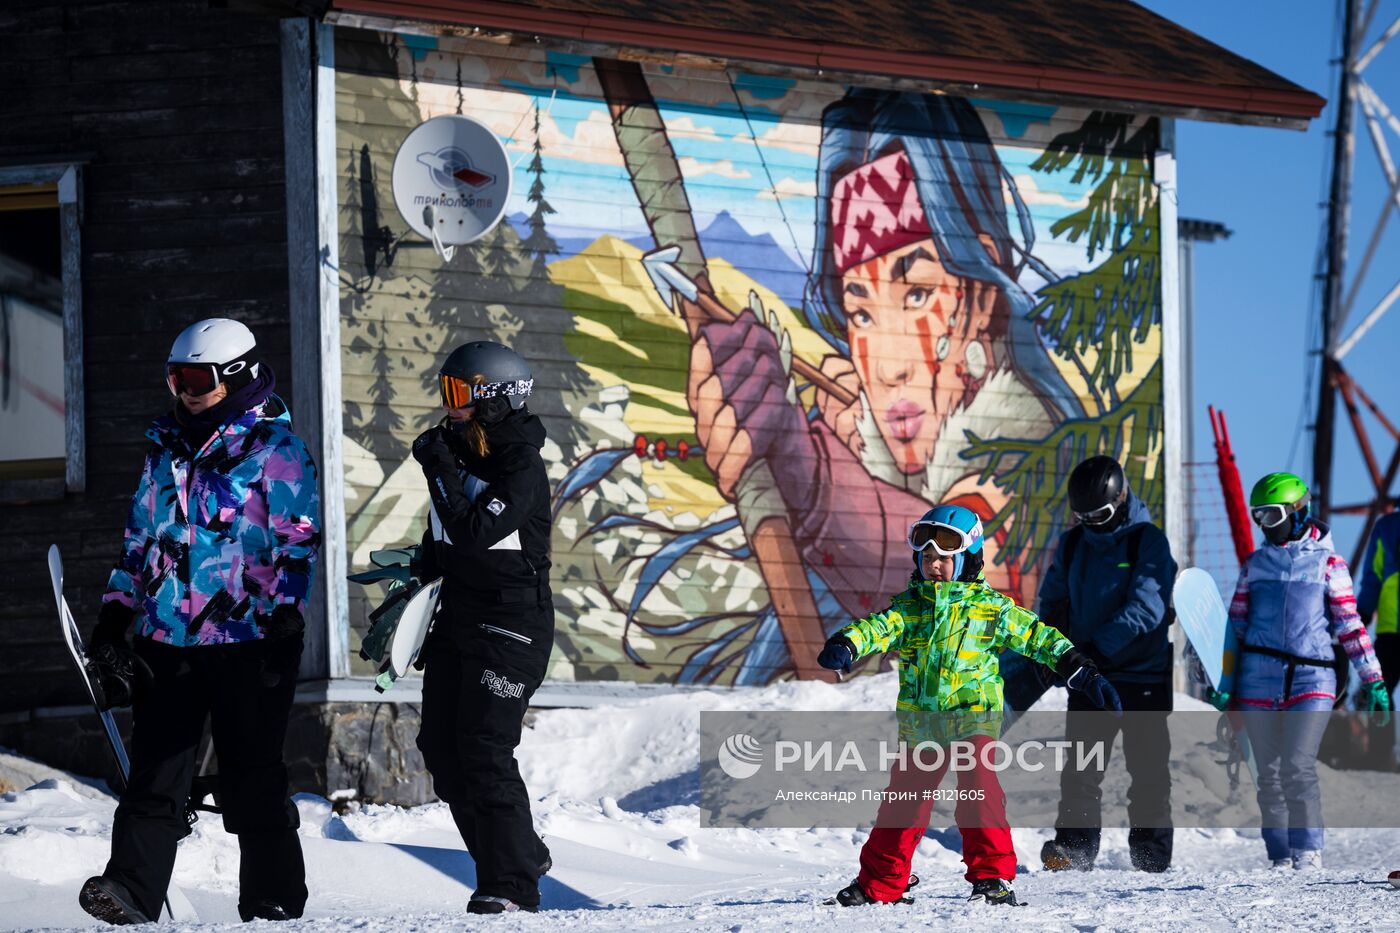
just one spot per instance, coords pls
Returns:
(179, 109)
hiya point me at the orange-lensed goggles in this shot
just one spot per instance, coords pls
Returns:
(456, 393)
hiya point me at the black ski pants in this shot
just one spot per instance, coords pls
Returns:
(1147, 754)
(246, 690)
(482, 666)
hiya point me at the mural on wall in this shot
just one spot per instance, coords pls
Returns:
(772, 321)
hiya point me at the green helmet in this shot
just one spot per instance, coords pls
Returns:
(1279, 489)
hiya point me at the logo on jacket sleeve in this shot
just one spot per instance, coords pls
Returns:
(495, 506)
(501, 686)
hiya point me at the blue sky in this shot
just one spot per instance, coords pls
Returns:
(1254, 291)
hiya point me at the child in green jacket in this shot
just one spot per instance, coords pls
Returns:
(949, 627)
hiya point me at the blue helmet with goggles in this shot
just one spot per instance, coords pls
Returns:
(952, 531)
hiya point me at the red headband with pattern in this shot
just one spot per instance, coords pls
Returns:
(875, 209)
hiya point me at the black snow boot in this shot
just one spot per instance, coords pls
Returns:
(266, 910)
(1150, 849)
(994, 891)
(110, 902)
(853, 895)
(487, 904)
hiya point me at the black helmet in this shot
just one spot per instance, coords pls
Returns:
(1097, 488)
(487, 374)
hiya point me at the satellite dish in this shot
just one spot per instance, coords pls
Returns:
(452, 180)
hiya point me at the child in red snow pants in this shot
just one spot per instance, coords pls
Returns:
(980, 813)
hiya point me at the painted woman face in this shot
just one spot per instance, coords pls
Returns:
(917, 342)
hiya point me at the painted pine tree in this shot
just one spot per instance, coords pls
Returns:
(502, 257)
(539, 245)
(1093, 321)
(377, 424)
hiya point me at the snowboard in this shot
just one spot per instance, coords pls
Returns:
(399, 626)
(409, 635)
(1202, 615)
(1203, 618)
(177, 905)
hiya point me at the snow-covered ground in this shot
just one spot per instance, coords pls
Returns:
(615, 792)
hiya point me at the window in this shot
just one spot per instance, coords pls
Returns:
(41, 403)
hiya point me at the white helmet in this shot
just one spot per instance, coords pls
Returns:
(209, 352)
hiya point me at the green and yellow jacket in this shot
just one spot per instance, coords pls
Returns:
(1380, 576)
(948, 636)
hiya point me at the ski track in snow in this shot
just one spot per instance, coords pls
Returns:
(615, 797)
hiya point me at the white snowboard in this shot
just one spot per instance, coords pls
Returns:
(177, 905)
(409, 634)
(1203, 618)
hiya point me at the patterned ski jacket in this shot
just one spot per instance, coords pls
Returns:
(216, 541)
(1380, 575)
(1289, 603)
(948, 636)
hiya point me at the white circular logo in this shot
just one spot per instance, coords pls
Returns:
(237, 367)
(740, 756)
(452, 172)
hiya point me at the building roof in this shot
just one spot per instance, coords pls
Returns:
(1096, 51)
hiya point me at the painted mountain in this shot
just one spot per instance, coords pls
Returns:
(760, 257)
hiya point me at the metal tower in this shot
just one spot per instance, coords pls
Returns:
(1340, 285)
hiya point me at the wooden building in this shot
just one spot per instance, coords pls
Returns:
(193, 159)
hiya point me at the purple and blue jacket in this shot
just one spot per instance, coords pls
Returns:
(218, 538)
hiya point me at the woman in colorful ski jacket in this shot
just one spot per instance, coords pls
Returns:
(948, 627)
(215, 572)
(1293, 597)
(221, 539)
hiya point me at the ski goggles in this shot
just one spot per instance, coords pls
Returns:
(1099, 516)
(944, 539)
(196, 379)
(193, 379)
(458, 393)
(1270, 516)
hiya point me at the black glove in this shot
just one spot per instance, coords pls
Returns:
(1081, 674)
(431, 449)
(1047, 678)
(113, 619)
(117, 675)
(838, 654)
(285, 622)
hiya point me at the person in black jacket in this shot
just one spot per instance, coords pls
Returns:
(488, 538)
(1109, 589)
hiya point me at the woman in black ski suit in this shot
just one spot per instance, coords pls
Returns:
(488, 538)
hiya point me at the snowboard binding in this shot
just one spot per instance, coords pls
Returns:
(399, 625)
(117, 674)
(994, 891)
(853, 895)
